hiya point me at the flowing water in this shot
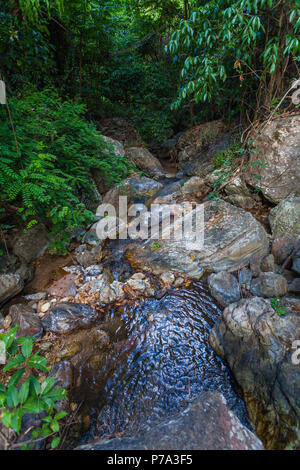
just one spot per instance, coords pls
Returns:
(161, 361)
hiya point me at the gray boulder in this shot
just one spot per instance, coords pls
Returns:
(296, 263)
(67, 317)
(278, 148)
(269, 285)
(224, 288)
(207, 424)
(144, 160)
(232, 237)
(31, 244)
(258, 346)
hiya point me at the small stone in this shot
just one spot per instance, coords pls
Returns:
(27, 319)
(45, 345)
(138, 276)
(7, 321)
(167, 278)
(45, 307)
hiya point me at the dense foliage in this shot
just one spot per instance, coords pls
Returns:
(22, 393)
(69, 62)
(45, 167)
(238, 54)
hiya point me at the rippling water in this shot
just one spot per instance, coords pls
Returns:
(161, 362)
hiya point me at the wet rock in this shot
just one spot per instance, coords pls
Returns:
(268, 264)
(245, 278)
(31, 244)
(89, 256)
(232, 237)
(69, 350)
(168, 193)
(269, 285)
(144, 187)
(144, 160)
(64, 287)
(296, 263)
(68, 316)
(207, 424)
(224, 288)
(107, 295)
(10, 286)
(118, 289)
(278, 145)
(257, 345)
(62, 373)
(138, 276)
(193, 186)
(27, 319)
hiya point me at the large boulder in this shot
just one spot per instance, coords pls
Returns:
(31, 244)
(258, 344)
(278, 148)
(144, 160)
(10, 286)
(285, 224)
(120, 130)
(207, 424)
(232, 237)
(198, 147)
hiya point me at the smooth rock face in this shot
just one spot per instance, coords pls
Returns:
(232, 237)
(144, 160)
(68, 316)
(32, 244)
(258, 346)
(224, 288)
(10, 285)
(279, 150)
(239, 200)
(207, 424)
(27, 319)
(269, 285)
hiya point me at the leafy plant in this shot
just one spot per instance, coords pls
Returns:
(278, 307)
(49, 169)
(155, 246)
(23, 393)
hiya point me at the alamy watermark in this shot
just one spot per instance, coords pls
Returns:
(180, 222)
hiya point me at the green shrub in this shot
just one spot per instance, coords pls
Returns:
(33, 395)
(48, 171)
